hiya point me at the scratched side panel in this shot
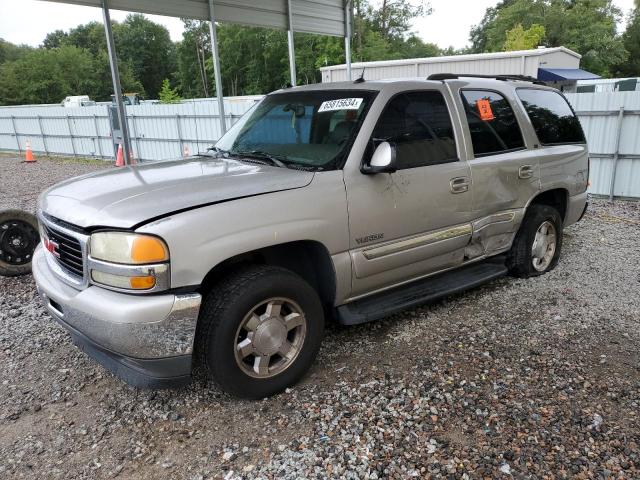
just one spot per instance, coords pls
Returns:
(387, 208)
(400, 206)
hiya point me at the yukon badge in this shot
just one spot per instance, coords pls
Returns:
(369, 238)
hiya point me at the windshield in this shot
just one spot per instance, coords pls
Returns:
(310, 129)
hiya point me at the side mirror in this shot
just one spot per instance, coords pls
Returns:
(383, 160)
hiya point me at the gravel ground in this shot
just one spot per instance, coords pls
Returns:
(20, 183)
(536, 378)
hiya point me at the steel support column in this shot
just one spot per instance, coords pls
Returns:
(616, 154)
(347, 36)
(292, 51)
(216, 66)
(117, 89)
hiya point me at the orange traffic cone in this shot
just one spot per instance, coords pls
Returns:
(185, 151)
(28, 154)
(120, 157)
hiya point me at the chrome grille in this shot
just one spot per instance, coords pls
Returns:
(66, 249)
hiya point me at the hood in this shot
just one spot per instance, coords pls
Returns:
(127, 196)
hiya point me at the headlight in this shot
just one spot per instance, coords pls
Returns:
(129, 248)
(129, 261)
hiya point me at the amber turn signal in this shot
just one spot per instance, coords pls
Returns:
(147, 249)
(142, 283)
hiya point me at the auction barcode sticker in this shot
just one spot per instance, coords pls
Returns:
(340, 104)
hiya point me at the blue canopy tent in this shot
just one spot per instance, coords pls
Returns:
(565, 74)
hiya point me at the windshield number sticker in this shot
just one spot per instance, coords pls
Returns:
(340, 104)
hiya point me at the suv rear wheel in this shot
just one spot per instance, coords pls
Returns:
(537, 245)
(259, 331)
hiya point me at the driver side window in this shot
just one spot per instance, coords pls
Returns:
(420, 126)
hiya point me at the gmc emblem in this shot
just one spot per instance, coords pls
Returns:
(52, 247)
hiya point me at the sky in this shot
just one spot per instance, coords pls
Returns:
(28, 21)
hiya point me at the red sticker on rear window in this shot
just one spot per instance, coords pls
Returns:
(484, 109)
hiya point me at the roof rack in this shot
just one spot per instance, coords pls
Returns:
(504, 78)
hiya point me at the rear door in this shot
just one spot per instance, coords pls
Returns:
(415, 221)
(504, 167)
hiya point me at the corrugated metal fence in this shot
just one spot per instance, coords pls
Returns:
(157, 131)
(611, 122)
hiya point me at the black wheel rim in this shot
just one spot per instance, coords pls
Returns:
(18, 240)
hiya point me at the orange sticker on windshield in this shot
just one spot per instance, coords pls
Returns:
(484, 109)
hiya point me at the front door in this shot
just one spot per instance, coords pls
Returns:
(415, 221)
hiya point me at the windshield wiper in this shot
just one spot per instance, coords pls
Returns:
(259, 154)
(216, 152)
(264, 158)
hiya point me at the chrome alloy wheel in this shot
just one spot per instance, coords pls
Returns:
(270, 337)
(544, 246)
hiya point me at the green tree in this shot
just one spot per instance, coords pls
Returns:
(631, 41)
(89, 36)
(392, 19)
(55, 39)
(382, 31)
(168, 94)
(520, 39)
(192, 51)
(585, 26)
(103, 80)
(142, 45)
(148, 48)
(46, 76)
(49, 75)
(255, 60)
(10, 52)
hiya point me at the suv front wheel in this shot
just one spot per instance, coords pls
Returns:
(537, 245)
(259, 331)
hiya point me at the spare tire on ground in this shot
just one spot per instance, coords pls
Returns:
(18, 239)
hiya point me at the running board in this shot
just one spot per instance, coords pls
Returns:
(422, 291)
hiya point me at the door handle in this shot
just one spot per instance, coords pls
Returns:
(525, 171)
(459, 184)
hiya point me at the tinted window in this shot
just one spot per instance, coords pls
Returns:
(420, 125)
(551, 116)
(492, 123)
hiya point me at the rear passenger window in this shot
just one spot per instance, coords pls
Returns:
(551, 116)
(420, 125)
(492, 123)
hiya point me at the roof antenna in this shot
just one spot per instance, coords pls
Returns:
(360, 79)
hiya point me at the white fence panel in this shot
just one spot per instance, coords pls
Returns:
(611, 119)
(158, 132)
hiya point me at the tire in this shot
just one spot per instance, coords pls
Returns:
(227, 331)
(522, 261)
(18, 239)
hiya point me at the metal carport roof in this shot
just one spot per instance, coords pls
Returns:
(328, 17)
(325, 17)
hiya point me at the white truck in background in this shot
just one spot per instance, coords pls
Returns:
(77, 101)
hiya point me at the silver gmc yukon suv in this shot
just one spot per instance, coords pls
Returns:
(348, 201)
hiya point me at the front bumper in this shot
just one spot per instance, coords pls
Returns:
(146, 340)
